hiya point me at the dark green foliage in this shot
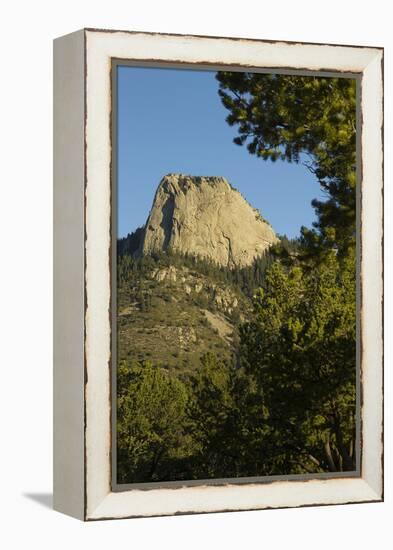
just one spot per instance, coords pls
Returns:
(302, 118)
(229, 422)
(284, 405)
(301, 346)
(247, 279)
(159, 317)
(208, 410)
(280, 397)
(300, 349)
(151, 430)
(130, 244)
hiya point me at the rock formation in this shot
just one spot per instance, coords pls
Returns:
(206, 217)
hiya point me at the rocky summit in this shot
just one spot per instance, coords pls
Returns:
(205, 217)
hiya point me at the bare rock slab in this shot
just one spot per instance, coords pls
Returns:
(206, 217)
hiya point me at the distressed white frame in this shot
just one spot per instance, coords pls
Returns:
(94, 499)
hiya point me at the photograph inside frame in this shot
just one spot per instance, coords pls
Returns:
(236, 278)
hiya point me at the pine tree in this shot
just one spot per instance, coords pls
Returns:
(300, 349)
(302, 119)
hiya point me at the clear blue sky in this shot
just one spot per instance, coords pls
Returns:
(173, 121)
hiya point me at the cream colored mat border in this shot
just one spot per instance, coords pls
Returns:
(101, 47)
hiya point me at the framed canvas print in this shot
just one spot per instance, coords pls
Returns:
(218, 274)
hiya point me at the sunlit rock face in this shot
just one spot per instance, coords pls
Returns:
(206, 217)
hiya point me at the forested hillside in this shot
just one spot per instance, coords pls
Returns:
(196, 340)
(237, 371)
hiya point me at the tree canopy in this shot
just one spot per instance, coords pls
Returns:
(302, 119)
(284, 400)
(300, 349)
(151, 428)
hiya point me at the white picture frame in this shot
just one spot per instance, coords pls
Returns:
(82, 269)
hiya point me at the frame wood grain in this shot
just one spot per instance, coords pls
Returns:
(83, 479)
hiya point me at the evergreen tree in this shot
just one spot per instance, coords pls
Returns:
(151, 430)
(130, 244)
(300, 349)
(302, 118)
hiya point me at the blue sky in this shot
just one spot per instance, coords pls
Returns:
(172, 120)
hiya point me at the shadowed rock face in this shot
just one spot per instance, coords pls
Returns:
(205, 216)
